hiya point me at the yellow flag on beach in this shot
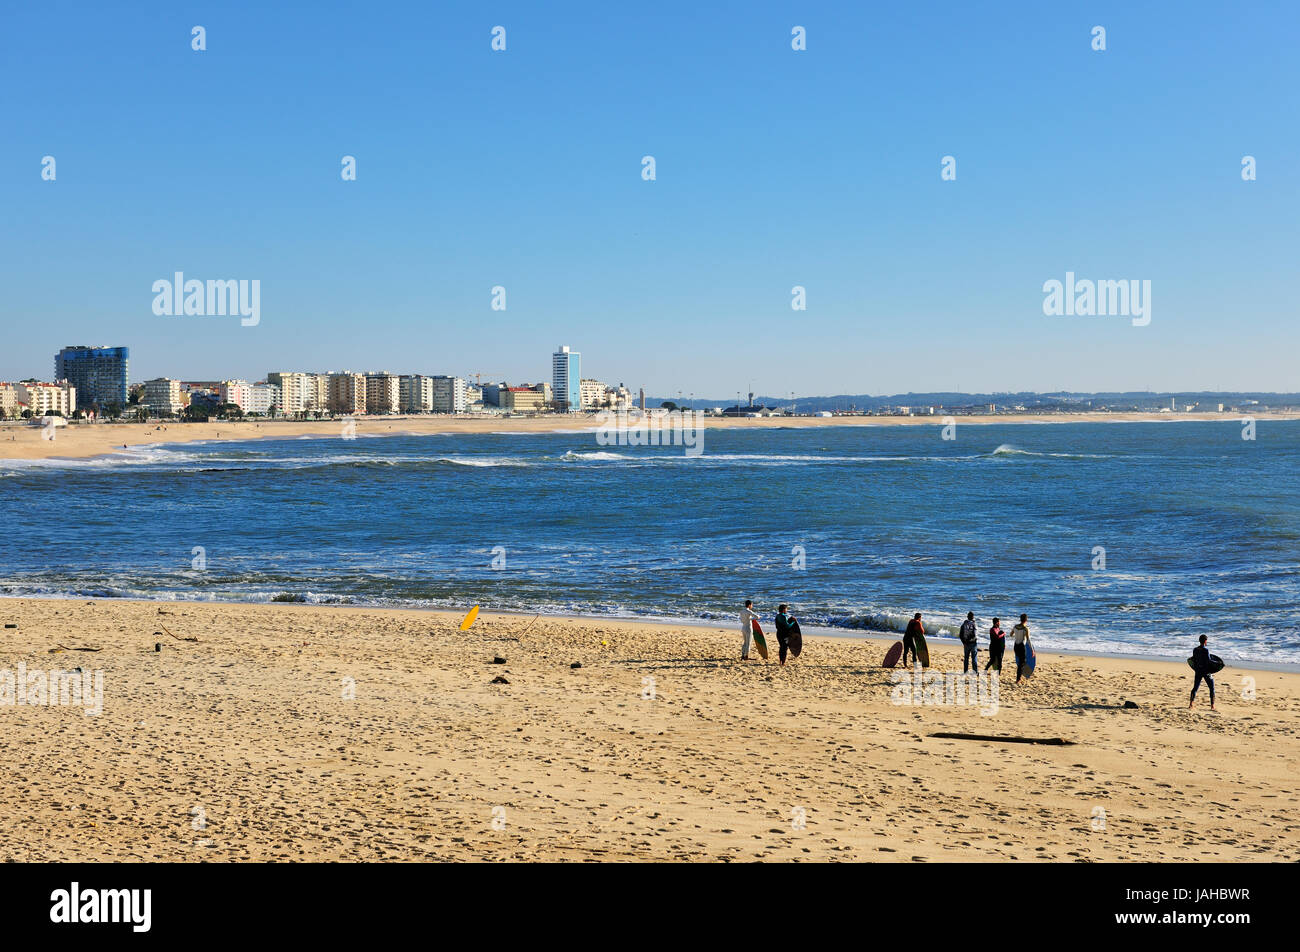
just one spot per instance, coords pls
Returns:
(469, 619)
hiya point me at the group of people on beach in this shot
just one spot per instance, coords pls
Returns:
(968, 634)
(784, 623)
(969, 638)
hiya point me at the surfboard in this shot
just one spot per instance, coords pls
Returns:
(469, 618)
(759, 641)
(922, 650)
(796, 639)
(1216, 664)
(893, 654)
(1031, 660)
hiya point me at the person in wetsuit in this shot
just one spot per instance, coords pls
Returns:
(914, 628)
(1201, 665)
(782, 624)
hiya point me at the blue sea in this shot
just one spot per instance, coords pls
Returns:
(856, 527)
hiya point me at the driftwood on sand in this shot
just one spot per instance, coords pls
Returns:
(1053, 741)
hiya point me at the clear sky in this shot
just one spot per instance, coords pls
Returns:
(774, 168)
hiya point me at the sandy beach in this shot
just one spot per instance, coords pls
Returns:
(80, 440)
(292, 732)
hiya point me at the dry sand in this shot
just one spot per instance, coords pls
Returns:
(79, 440)
(250, 725)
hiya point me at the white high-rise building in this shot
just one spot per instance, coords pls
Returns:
(566, 379)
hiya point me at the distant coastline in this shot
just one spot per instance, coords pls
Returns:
(22, 441)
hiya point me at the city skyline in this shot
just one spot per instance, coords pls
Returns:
(817, 175)
(78, 387)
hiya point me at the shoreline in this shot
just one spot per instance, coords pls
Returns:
(79, 441)
(661, 622)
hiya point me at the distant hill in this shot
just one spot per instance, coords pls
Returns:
(1063, 400)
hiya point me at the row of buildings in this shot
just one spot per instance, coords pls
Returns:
(93, 381)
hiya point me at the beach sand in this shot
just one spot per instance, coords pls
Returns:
(243, 746)
(80, 440)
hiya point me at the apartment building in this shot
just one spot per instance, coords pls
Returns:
(523, 399)
(383, 393)
(415, 393)
(448, 394)
(347, 393)
(262, 398)
(162, 395)
(297, 391)
(98, 374)
(238, 392)
(591, 393)
(47, 398)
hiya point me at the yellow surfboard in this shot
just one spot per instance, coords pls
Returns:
(469, 619)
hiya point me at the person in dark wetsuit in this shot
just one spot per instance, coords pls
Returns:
(997, 645)
(1020, 634)
(914, 628)
(1201, 665)
(782, 625)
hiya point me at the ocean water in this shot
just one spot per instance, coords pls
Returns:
(855, 527)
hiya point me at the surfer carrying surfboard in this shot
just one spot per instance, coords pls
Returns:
(747, 618)
(914, 628)
(1201, 665)
(783, 625)
(1021, 635)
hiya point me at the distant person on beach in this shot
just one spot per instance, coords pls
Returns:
(1201, 665)
(997, 645)
(782, 625)
(747, 618)
(1021, 635)
(914, 628)
(970, 648)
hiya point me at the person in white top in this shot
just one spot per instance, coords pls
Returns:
(747, 618)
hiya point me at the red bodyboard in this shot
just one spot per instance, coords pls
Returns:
(893, 654)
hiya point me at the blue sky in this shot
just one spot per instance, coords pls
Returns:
(775, 168)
